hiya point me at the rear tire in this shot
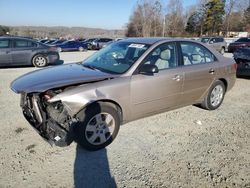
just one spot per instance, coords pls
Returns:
(59, 49)
(222, 51)
(39, 60)
(215, 96)
(98, 126)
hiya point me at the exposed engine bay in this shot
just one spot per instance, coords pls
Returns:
(51, 120)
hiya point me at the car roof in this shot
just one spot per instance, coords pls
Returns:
(15, 37)
(147, 40)
(213, 37)
(153, 40)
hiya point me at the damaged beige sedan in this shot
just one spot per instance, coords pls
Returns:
(129, 79)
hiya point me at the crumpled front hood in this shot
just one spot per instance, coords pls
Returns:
(54, 77)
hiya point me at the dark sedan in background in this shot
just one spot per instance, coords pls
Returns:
(15, 51)
(71, 46)
(242, 57)
(99, 43)
(240, 43)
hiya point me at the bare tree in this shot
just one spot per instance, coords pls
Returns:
(230, 4)
(175, 23)
(146, 19)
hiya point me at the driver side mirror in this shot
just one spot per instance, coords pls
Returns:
(148, 69)
(211, 42)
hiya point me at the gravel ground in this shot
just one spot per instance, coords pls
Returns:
(188, 147)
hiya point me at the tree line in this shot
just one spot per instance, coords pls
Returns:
(57, 32)
(207, 17)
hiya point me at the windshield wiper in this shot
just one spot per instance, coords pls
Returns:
(90, 66)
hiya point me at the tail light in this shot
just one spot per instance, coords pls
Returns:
(234, 66)
(53, 49)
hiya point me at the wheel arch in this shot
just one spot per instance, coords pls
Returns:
(224, 81)
(108, 101)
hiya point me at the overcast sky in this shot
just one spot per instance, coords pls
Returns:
(108, 14)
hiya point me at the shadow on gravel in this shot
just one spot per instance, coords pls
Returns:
(91, 169)
(59, 62)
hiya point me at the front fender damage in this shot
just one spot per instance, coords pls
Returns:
(53, 113)
(75, 102)
(51, 120)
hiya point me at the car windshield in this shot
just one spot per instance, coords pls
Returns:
(243, 40)
(65, 42)
(89, 40)
(116, 58)
(205, 40)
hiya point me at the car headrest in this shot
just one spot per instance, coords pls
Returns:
(196, 57)
(165, 54)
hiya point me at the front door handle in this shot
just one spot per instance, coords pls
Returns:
(211, 71)
(177, 78)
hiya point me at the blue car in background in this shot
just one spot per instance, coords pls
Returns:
(71, 46)
(57, 42)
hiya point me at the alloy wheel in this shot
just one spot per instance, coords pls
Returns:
(40, 61)
(216, 95)
(100, 128)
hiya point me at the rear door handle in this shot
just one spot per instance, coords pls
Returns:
(211, 71)
(177, 78)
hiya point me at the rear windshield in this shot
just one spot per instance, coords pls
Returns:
(245, 39)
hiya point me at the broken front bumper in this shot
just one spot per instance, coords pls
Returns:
(47, 128)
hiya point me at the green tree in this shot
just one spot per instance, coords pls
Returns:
(4, 30)
(195, 23)
(214, 16)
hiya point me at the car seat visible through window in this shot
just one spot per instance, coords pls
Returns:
(163, 61)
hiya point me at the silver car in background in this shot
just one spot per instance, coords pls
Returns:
(218, 43)
(16, 51)
(129, 79)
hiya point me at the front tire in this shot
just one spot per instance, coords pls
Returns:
(98, 126)
(215, 96)
(39, 61)
(81, 49)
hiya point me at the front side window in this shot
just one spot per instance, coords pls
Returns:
(195, 54)
(116, 58)
(4, 43)
(205, 40)
(164, 56)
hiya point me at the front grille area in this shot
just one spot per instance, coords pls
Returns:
(46, 127)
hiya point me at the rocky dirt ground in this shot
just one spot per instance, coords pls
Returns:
(188, 147)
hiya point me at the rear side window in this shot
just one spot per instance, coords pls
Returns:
(219, 40)
(244, 39)
(4, 43)
(193, 53)
(107, 40)
(24, 44)
(102, 40)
